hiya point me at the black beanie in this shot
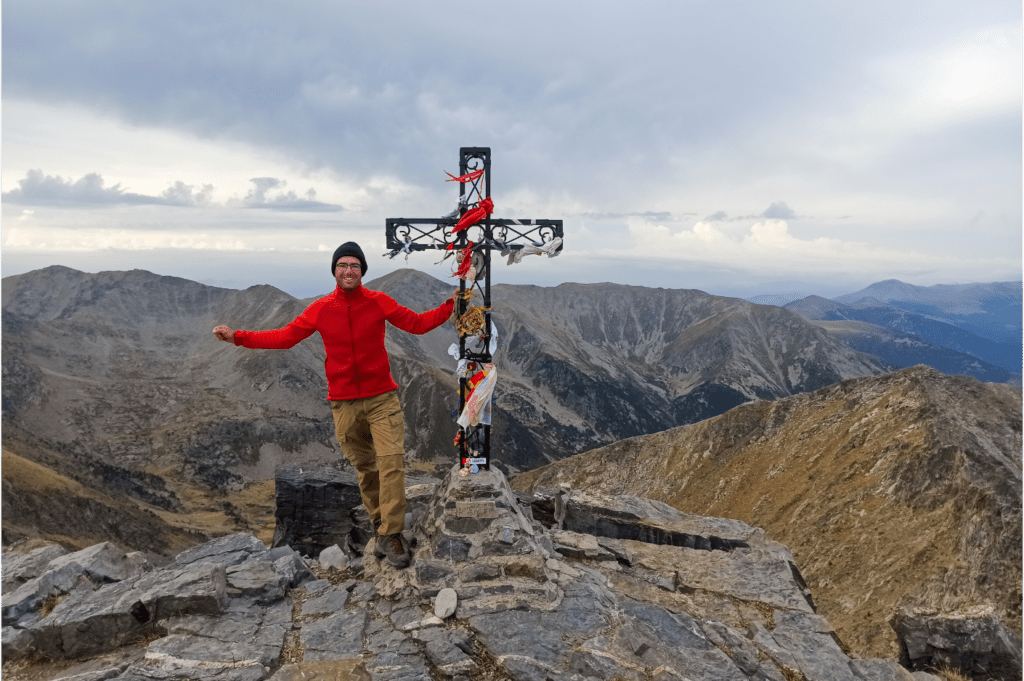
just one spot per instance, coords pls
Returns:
(350, 248)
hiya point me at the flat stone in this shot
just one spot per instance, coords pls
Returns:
(408, 619)
(21, 567)
(522, 634)
(476, 509)
(98, 675)
(102, 620)
(450, 548)
(880, 670)
(447, 650)
(102, 562)
(364, 591)
(228, 550)
(337, 637)
(326, 602)
(200, 655)
(445, 603)
(259, 580)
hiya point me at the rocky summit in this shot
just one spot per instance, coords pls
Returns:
(557, 585)
(898, 491)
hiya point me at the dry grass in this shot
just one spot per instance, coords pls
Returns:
(950, 674)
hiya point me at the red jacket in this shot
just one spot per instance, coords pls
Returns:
(351, 324)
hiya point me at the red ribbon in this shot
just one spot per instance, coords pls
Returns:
(474, 215)
(468, 177)
(467, 260)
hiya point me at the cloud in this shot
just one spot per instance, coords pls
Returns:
(181, 194)
(768, 248)
(288, 201)
(38, 189)
(779, 211)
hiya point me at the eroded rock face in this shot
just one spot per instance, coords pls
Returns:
(492, 592)
(975, 641)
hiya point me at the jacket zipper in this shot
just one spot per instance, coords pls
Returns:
(352, 340)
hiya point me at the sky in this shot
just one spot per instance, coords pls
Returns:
(744, 148)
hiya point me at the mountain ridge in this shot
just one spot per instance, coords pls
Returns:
(902, 489)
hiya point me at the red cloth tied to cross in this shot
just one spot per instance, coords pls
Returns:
(474, 215)
(467, 260)
(468, 177)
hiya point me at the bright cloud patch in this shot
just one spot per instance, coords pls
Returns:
(769, 247)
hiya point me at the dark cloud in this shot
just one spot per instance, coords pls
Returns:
(373, 88)
(779, 211)
(287, 201)
(38, 189)
(720, 216)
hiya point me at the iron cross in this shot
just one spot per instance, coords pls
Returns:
(509, 237)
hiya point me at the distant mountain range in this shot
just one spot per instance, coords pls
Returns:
(970, 329)
(114, 382)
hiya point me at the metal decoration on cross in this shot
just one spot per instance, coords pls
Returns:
(477, 335)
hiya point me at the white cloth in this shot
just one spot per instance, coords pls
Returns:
(550, 249)
(478, 403)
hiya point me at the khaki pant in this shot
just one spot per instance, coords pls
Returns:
(371, 432)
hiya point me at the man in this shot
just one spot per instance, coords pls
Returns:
(368, 418)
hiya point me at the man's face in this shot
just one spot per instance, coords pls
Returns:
(348, 273)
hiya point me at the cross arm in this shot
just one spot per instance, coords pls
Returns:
(422, 234)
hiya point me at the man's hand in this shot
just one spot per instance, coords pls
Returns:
(224, 333)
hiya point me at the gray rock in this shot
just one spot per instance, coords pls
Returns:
(880, 670)
(19, 568)
(363, 592)
(975, 642)
(617, 608)
(86, 569)
(445, 603)
(179, 656)
(99, 675)
(337, 637)
(301, 573)
(447, 650)
(260, 580)
(333, 557)
(254, 632)
(228, 550)
(315, 506)
(101, 563)
(16, 643)
(102, 620)
(522, 635)
(326, 602)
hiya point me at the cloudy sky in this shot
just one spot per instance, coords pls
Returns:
(740, 148)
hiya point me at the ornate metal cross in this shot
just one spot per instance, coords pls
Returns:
(406, 235)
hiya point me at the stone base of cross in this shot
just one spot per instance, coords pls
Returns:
(472, 234)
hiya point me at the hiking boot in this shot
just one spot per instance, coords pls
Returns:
(394, 548)
(378, 541)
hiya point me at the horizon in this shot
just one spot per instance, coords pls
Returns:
(743, 149)
(594, 283)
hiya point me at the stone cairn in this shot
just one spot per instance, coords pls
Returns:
(560, 586)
